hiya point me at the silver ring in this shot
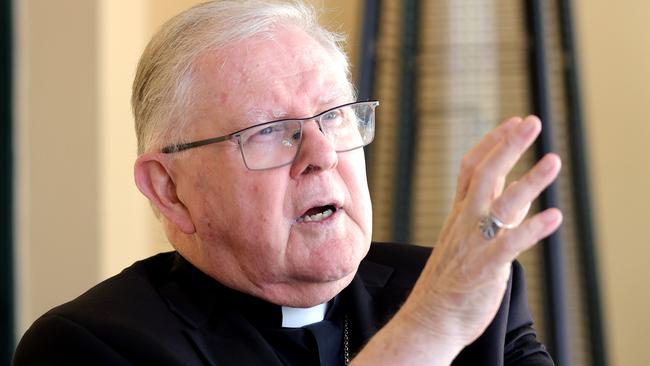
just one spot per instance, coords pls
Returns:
(489, 226)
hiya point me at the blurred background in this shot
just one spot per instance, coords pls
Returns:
(445, 71)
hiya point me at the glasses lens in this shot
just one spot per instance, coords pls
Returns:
(270, 145)
(275, 144)
(350, 127)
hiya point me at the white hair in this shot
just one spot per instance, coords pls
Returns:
(162, 89)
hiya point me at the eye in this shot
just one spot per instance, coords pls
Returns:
(266, 133)
(332, 115)
(333, 118)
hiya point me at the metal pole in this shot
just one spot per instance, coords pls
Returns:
(6, 186)
(367, 55)
(407, 124)
(584, 228)
(366, 70)
(552, 248)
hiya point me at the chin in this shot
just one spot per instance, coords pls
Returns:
(331, 269)
(306, 289)
(323, 292)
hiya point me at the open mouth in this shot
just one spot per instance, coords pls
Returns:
(316, 214)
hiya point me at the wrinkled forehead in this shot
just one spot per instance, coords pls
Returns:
(285, 73)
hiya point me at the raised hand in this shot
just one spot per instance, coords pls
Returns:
(463, 283)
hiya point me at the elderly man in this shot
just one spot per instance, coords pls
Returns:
(250, 151)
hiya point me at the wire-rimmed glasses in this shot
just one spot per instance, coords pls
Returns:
(274, 144)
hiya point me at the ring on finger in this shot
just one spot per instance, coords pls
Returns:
(490, 225)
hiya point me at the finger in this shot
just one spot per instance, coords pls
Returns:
(491, 172)
(474, 156)
(521, 215)
(517, 217)
(508, 207)
(512, 242)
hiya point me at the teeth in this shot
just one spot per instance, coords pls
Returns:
(317, 217)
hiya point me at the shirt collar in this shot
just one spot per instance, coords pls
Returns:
(300, 317)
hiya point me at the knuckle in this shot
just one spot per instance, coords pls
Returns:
(500, 210)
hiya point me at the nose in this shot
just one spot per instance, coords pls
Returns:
(316, 152)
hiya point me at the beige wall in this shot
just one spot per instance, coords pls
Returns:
(56, 180)
(614, 41)
(80, 219)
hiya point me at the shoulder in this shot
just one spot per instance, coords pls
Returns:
(396, 254)
(100, 324)
(123, 292)
(389, 272)
(400, 264)
(406, 262)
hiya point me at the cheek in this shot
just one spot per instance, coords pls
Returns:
(247, 209)
(255, 229)
(265, 191)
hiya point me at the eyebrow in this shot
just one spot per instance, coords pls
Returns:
(333, 95)
(256, 115)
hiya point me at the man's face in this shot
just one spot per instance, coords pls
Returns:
(249, 231)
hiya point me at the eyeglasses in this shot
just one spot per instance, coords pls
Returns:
(274, 144)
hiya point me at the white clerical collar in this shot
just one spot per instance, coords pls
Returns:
(299, 317)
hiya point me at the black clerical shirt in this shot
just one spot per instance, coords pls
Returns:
(320, 343)
(163, 311)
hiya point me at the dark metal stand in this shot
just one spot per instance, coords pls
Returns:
(6, 187)
(553, 254)
(368, 54)
(407, 123)
(366, 64)
(579, 180)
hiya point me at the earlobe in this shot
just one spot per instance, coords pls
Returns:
(155, 182)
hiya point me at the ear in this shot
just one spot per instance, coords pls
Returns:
(155, 182)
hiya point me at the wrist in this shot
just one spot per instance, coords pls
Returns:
(407, 340)
(438, 333)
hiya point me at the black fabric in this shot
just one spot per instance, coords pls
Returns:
(163, 311)
(319, 343)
